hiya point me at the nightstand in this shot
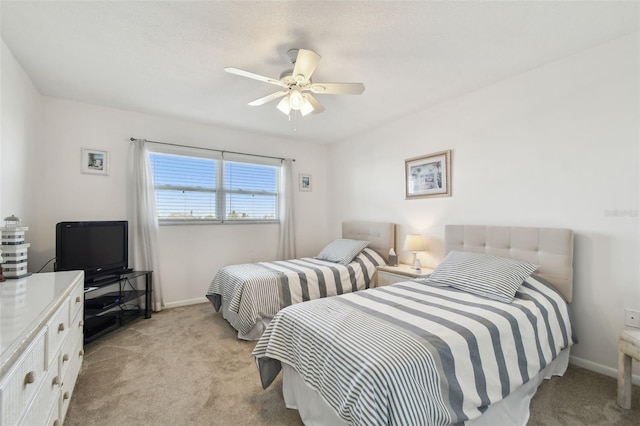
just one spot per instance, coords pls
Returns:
(392, 274)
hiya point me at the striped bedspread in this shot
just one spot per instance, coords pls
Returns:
(259, 290)
(416, 354)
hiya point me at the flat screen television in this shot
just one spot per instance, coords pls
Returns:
(99, 248)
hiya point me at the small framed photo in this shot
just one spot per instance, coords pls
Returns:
(305, 182)
(428, 176)
(95, 161)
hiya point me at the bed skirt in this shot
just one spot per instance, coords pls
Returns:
(513, 410)
(234, 319)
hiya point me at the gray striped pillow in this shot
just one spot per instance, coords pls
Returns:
(485, 275)
(342, 251)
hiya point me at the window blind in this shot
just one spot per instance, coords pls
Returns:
(200, 189)
(251, 191)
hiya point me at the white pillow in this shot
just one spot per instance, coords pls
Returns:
(485, 275)
(342, 251)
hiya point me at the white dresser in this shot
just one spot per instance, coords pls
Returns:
(41, 320)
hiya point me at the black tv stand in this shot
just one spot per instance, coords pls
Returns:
(112, 301)
(101, 280)
(107, 277)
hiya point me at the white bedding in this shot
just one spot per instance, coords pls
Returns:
(251, 294)
(411, 353)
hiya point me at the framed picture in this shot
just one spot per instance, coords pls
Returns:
(305, 182)
(95, 161)
(428, 176)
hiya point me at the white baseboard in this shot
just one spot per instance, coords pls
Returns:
(179, 303)
(599, 368)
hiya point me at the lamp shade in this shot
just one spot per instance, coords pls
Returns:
(414, 242)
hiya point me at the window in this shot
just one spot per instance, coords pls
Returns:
(193, 189)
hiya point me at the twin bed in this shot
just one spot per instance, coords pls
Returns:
(249, 295)
(468, 345)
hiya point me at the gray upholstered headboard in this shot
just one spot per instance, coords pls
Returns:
(551, 248)
(381, 235)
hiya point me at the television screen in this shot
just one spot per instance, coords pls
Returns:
(96, 247)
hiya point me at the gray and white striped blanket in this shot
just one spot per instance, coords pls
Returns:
(259, 290)
(415, 354)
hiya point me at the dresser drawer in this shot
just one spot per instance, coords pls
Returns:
(53, 419)
(21, 383)
(47, 397)
(69, 379)
(58, 327)
(76, 301)
(74, 337)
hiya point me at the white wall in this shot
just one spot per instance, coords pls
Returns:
(557, 146)
(189, 255)
(20, 124)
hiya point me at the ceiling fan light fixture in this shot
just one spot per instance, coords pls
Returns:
(296, 100)
(307, 107)
(284, 105)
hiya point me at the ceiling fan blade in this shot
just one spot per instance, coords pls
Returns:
(306, 63)
(317, 106)
(243, 73)
(268, 98)
(337, 88)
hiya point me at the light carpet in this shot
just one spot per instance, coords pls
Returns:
(185, 366)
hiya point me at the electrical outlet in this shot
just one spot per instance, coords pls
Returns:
(632, 318)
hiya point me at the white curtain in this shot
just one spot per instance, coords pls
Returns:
(145, 221)
(286, 243)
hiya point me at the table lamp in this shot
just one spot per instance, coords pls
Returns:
(414, 243)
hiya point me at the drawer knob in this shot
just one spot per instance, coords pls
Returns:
(78, 299)
(81, 353)
(30, 377)
(65, 357)
(81, 323)
(56, 422)
(56, 381)
(60, 327)
(66, 395)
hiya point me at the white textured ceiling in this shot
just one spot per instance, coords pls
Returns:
(167, 58)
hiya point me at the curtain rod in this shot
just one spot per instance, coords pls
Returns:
(213, 149)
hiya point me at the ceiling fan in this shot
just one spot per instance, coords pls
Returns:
(297, 87)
